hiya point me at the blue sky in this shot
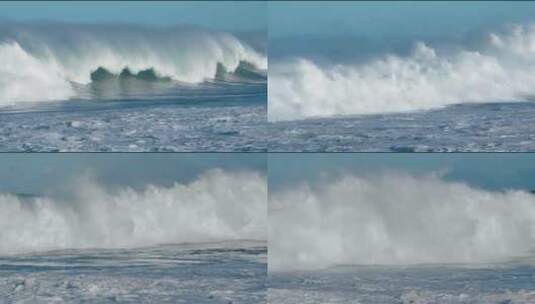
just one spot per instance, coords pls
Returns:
(382, 18)
(495, 171)
(42, 173)
(222, 15)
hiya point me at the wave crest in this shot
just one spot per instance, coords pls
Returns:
(397, 219)
(501, 70)
(72, 53)
(218, 206)
(25, 78)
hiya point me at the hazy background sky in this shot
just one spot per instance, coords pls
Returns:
(373, 18)
(359, 30)
(39, 173)
(221, 15)
(495, 171)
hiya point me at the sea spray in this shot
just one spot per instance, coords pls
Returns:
(26, 78)
(217, 206)
(500, 70)
(397, 219)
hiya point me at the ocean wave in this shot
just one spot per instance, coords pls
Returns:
(499, 70)
(42, 61)
(244, 72)
(217, 206)
(26, 78)
(397, 219)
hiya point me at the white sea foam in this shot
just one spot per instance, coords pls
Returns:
(424, 297)
(397, 219)
(38, 62)
(218, 206)
(500, 70)
(26, 78)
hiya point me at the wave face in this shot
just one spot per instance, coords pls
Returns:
(40, 61)
(397, 219)
(218, 206)
(499, 70)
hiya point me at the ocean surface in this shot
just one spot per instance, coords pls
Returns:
(481, 127)
(119, 87)
(224, 272)
(508, 283)
(209, 117)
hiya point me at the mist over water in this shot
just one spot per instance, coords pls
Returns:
(218, 206)
(500, 69)
(397, 219)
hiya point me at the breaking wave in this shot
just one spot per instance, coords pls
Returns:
(217, 206)
(43, 61)
(400, 219)
(499, 70)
